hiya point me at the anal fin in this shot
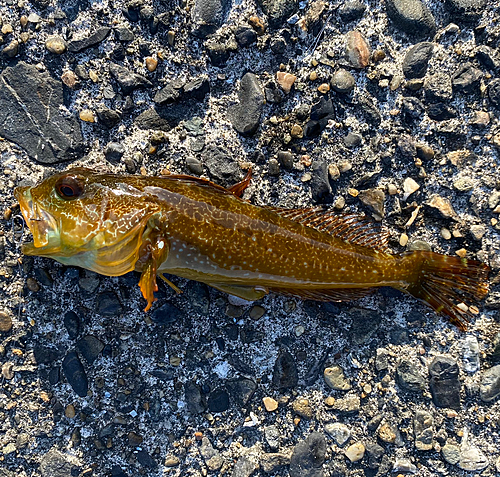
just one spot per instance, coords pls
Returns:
(250, 293)
(328, 294)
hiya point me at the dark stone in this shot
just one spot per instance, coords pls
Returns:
(342, 81)
(373, 455)
(466, 10)
(162, 375)
(197, 292)
(124, 33)
(166, 315)
(441, 111)
(197, 88)
(352, 140)
(131, 13)
(46, 354)
(145, 459)
(223, 167)
(27, 98)
(408, 376)
(411, 17)
(245, 115)
(273, 94)
(412, 109)
(99, 35)
(489, 390)
(117, 471)
(314, 128)
(75, 373)
(241, 390)
(218, 401)
(285, 158)
(308, 456)
(43, 277)
(467, 78)
(245, 36)
(128, 80)
(72, 324)
(285, 373)
(114, 151)
(72, 7)
(244, 467)
(168, 94)
(488, 57)
(192, 395)
(438, 87)
(218, 53)
(278, 11)
(322, 109)
(118, 54)
(320, 184)
(108, 304)
(278, 45)
(56, 464)
(150, 119)
(351, 10)
(371, 113)
(90, 347)
(208, 15)
(494, 92)
(109, 117)
(417, 60)
(444, 382)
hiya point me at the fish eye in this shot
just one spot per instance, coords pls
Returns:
(69, 187)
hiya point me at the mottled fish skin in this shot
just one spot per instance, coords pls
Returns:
(192, 228)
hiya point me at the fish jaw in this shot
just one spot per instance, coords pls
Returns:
(43, 227)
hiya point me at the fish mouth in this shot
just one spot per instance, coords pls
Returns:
(42, 225)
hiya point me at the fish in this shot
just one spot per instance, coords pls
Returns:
(192, 228)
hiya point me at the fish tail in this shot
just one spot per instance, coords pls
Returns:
(452, 286)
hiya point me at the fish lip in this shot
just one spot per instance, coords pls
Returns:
(41, 224)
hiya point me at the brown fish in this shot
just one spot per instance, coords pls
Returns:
(192, 228)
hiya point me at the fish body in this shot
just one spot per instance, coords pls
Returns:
(192, 228)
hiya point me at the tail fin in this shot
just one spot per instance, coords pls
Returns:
(450, 285)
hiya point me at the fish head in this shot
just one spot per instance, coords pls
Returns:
(82, 218)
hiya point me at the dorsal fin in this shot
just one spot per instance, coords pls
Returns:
(353, 228)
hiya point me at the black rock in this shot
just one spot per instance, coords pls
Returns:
(278, 45)
(278, 11)
(285, 373)
(117, 471)
(167, 375)
(131, 13)
(218, 53)
(75, 46)
(285, 158)
(54, 377)
(150, 119)
(75, 373)
(322, 109)
(412, 16)
(124, 33)
(109, 117)
(72, 324)
(373, 455)
(352, 140)
(308, 456)
(417, 59)
(208, 15)
(412, 109)
(441, 111)
(197, 88)
(72, 7)
(320, 184)
(444, 382)
(223, 167)
(467, 78)
(145, 459)
(438, 87)
(118, 53)
(466, 10)
(196, 167)
(489, 390)
(166, 315)
(494, 92)
(273, 94)
(108, 304)
(128, 80)
(241, 390)
(245, 36)
(351, 10)
(245, 115)
(371, 113)
(364, 323)
(314, 128)
(168, 94)
(27, 98)
(218, 401)
(114, 151)
(46, 354)
(56, 464)
(488, 57)
(409, 377)
(192, 395)
(90, 347)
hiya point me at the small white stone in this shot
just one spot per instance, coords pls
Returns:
(355, 452)
(409, 187)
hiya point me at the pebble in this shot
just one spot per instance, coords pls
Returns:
(409, 377)
(342, 81)
(167, 314)
(444, 382)
(451, 453)
(277, 11)
(244, 467)
(172, 461)
(90, 347)
(355, 452)
(336, 379)
(320, 185)
(75, 373)
(411, 17)
(272, 462)
(151, 64)
(245, 115)
(8, 370)
(87, 115)
(351, 10)
(11, 49)
(114, 151)
(70, 411)
(308, 456)
(56, 464)
(347, 405)
(303, 408)
(417, 59)
(285, 373)
(409, 187)
(352, 140)
(467, 78)
(438, 87)
(470, 352)
(441, 207)
(245, 36)
(386, 433)
(339, 432)
(128, 80)
(477, 231)
(423, 428)
(323, 88)
(374, 200)
(270, 404)
(357, 49)
(56, 45)
(489, 389)
(5, 321)
(108, 304)
(218, 400)
(494, 92)
(285, 80)
(76, 46)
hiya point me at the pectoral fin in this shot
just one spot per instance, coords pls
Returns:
(242, 291)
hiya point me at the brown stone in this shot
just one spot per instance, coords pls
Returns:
(285, 80)
(357, 49)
